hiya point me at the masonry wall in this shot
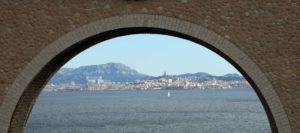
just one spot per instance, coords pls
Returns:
(269, 33)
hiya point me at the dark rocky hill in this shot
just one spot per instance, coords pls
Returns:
(111, 72)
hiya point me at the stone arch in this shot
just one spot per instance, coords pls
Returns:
(22, 94)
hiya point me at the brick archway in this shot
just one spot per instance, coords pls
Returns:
(21, 96)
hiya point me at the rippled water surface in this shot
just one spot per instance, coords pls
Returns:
(185, 111)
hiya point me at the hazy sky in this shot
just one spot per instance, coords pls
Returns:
(153, 54)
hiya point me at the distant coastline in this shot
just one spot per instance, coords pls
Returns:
(162, 83)
(89, 90)
(116, 76)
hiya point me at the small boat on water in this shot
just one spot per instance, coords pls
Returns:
(169, 94)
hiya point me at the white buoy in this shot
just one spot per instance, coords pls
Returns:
(169, 94)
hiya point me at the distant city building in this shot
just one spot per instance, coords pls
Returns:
(100, 80)
(165, 74)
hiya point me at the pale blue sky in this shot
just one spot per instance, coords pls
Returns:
(153, 54)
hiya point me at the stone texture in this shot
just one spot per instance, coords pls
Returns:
(268, 32)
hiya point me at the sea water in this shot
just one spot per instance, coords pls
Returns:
(151, 111)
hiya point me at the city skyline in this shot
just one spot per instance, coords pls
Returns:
(154, 54)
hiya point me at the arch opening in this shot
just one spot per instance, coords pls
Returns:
(134, 41)
(137, 30)
(22, 109)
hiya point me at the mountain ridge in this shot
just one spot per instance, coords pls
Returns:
(117, 72)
